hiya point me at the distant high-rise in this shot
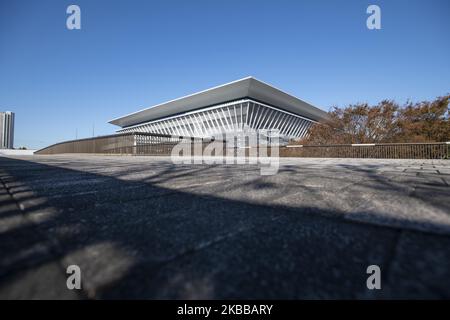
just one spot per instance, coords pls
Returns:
(6, 130)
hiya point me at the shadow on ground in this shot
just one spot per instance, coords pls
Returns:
(136, 239)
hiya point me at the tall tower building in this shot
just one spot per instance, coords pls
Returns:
(6, 130)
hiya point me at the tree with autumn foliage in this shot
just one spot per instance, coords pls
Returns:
(386, 122)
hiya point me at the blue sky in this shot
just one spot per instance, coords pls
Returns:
(133, 54)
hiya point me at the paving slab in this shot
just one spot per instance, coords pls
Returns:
(144, 227)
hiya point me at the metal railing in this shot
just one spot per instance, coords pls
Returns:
(159, 144)
(437, 150)
(122, 143)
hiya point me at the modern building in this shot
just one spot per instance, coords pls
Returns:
(6, 130)
(246, 104)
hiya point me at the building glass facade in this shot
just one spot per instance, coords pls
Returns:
(235, 116)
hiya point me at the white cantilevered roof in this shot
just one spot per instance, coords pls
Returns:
(244, 88)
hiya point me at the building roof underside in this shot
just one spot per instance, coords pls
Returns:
(245, 88)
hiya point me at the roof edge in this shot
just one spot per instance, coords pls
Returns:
(247, 87)
(183, 97)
